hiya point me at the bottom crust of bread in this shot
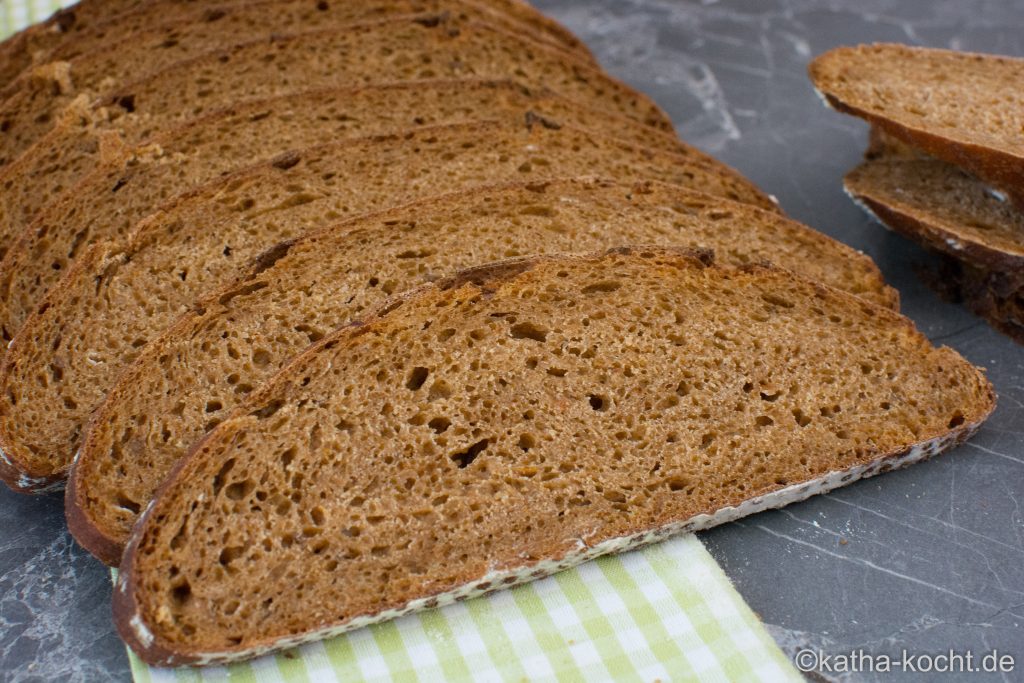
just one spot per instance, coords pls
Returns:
(141, 639)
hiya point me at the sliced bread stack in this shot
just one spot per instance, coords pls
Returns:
(240, 319)
(945, 165)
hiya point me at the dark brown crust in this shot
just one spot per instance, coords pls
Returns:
(913, 227)
(998, 167)
(125, 606)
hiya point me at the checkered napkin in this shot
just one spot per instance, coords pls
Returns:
(664, 613)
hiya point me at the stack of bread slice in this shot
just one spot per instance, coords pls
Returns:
(945, 165)
(325, 312)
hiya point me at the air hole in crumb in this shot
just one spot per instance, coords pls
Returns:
(127, 503)
(764, 421)
(440, 424)
(601, 287)
(181, 594)
(598, 402)
(677, 483)
(529, 331)
(239, 489)
(956, 420)
(465, 458)
(230, 554)
(221, 476)
(416, 378)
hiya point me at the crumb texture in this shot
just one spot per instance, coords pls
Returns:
(112, 195)
(319, 56)
(514, 414)
(191, 377)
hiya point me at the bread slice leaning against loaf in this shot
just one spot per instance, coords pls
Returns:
(37, 97)
(979, 233)
(194, 374)
(131, 183)
(425, 46)
(963, 108)
(517, 419)
(118, 297)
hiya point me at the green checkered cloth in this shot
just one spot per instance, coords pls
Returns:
(663, 613)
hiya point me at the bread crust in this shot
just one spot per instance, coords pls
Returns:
(143, 640)
(999, 167)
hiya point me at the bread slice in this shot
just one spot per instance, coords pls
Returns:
(963, 108)
(61, 363)
(181, 24)
(194, 374)
(425, 46)
(952, 213)
(514, 420)
(976, 229)
(123, 60)
(942, 207)
(171, 162)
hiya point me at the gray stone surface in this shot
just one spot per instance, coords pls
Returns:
(927, 559)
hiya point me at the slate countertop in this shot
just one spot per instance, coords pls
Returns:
(926, 559)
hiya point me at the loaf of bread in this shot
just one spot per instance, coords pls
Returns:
(194, 374)
(514, 420)
(963, 108)
(140, 179)
(352, 54)
(52, 377)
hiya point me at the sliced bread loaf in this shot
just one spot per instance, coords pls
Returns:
(517, 419)
(186, 381)
(115, 299)
(425, 46)
(963, 108)
(132, 183)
